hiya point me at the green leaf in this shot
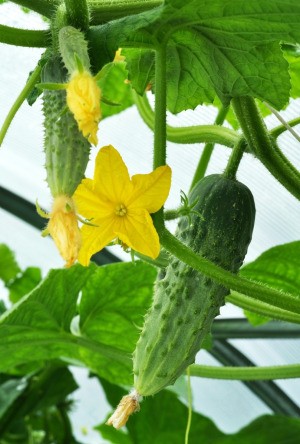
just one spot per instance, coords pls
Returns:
(8, 265)
(113, 303)
(23, 284)
(163, 418)
(114, 87)
(221, 48)
(278, 268)
(10, 390)
(111, 310)
(292, 55)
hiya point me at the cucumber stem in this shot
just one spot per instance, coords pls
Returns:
(250, 288)
(106, 10)
(44, 7)
(284, 123)
(33, 79)
(235, 159)
(160, 113)
(246, 373)
(208, 150)
(263, 146)
(24, 37)
(278, 130)
(190, 406)
(190, 134)
(77, 14)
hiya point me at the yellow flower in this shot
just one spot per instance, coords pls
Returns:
(63, 228)
(83, 99)
(120, 206)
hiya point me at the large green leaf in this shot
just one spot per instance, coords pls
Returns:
(278, 268)
(24, 283)
(9, 268)
(114, 300)
(229, 48)
(163, 419)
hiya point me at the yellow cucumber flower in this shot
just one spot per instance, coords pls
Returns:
(119, 207)
(83, 99)
(63, 228)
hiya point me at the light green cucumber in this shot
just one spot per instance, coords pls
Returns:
(185, 301)
(67, 151)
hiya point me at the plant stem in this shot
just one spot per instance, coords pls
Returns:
(246, 373)
(44, 7)
(190, 134)
(234, 159)
(24, 37)
(284, 123)
(106, 10)
(242, 329)
(263, 146)
(77, 14)
(208, 150)
(278, 130)
(160, 118)
(267, 391)
(190, 406)
(20, 99)
(229, 280)
(262, 308)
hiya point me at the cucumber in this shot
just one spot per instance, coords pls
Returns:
(67, 150)
(185, 301)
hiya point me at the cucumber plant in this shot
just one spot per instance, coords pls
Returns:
(188, 54)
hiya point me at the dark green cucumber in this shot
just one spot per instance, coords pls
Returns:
(185, 301)
(67, 151)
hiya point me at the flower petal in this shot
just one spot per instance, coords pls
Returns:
(150, 191)
(111, 176)
(89, 204)
(94, 239)
(137, 231)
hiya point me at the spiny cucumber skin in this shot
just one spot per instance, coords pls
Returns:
(67, 151)
(185, 301)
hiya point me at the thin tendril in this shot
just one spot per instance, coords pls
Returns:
(190, 411)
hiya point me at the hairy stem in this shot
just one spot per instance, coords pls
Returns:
(20, 99)
(278, 130)
(234, 159)
(44, 7)
(208, 150)
(106, 10)
(24, 37)
(262, 308)
(246, 373)
(263, 146)
(229, 280)
(77, 14)
(190, 134)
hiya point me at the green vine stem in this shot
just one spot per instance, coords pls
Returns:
(77, 14)
(262, 308)
(281, 119)
(278, 130)
(246, 373)
(263, 146)
(190, 406)
(24, 37)
(246, 286)
(234, 159)
(208, 150)
(33, 79)
(103, 11)
(240, 328)
(44, 7)
(189, 134)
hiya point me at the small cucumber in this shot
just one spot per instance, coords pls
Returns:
(67, 151)
(185, 301)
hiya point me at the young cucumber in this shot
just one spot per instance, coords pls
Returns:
(185, 301)
(67, 151)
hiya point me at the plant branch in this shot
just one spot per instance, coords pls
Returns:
(43, 7)
(242, 329)
(103, 11)
(189, 134)
(234, 159)
(284, 123)
(35, 75)
(278, 130)
(262, 308)
(246, 373)
(24, 37)
(263, 146)
(229, 280)
(267, 391)
(208, 150)
(77, 14)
